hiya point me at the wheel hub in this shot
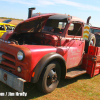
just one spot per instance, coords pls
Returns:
(54, 78)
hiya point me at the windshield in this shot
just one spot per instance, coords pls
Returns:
(55, 26)
(94, 30)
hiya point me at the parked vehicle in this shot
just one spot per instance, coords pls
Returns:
(5, 26)
(43, 49)
(96, 32)
(94, 36)
(94, 29)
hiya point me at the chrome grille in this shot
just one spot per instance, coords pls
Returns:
(7, 60)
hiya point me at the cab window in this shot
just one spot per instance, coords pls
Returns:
(75, 29)
(55, 26)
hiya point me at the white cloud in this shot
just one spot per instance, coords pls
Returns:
(20, 2)
(31, 2)
(75, 4)
(44, 2)
(55, 2)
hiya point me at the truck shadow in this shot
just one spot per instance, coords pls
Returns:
(65, 82)
(32, 91)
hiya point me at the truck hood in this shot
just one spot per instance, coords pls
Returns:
(38, 48)
(34, 24)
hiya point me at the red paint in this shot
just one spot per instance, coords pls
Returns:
(91, 61)
(71, 47)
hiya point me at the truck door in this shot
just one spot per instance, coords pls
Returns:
(75, 45)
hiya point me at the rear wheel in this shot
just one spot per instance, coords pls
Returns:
(49, 78)
(92, 39)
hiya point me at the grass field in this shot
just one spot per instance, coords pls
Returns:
(14, 21)
(79, 88)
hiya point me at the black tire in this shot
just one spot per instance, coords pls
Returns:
(88, 42)
(49, 78)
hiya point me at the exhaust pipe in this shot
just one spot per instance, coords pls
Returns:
(30, 12)
(88, 20)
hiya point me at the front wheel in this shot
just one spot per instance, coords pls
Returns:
(49, 78)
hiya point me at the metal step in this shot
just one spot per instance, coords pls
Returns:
(74, 73)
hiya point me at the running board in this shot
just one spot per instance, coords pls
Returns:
(74, 73)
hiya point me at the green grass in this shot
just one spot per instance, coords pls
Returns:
(79, 88)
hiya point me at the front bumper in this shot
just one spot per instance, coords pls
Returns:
(11, 80)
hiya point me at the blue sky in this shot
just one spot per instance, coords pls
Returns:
(79, 8)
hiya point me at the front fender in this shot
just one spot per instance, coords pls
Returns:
(44, 61)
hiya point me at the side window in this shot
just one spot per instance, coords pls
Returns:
(2, 27)
(75, 29)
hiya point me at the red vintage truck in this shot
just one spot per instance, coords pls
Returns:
(43, 49)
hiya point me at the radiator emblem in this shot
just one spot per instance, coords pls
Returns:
(5, 77)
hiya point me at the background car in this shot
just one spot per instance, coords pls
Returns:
(96, 32)
(4, 27)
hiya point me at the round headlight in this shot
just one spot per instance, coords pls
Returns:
(20, 55)
(19, 69)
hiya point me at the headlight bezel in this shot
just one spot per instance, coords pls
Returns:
(19, 57)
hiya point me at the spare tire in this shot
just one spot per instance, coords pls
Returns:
(91, 41)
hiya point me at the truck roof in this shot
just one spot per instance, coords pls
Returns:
(77, 19)
(93, 27)
(59, 16)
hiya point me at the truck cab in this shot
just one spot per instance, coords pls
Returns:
(42, 49)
